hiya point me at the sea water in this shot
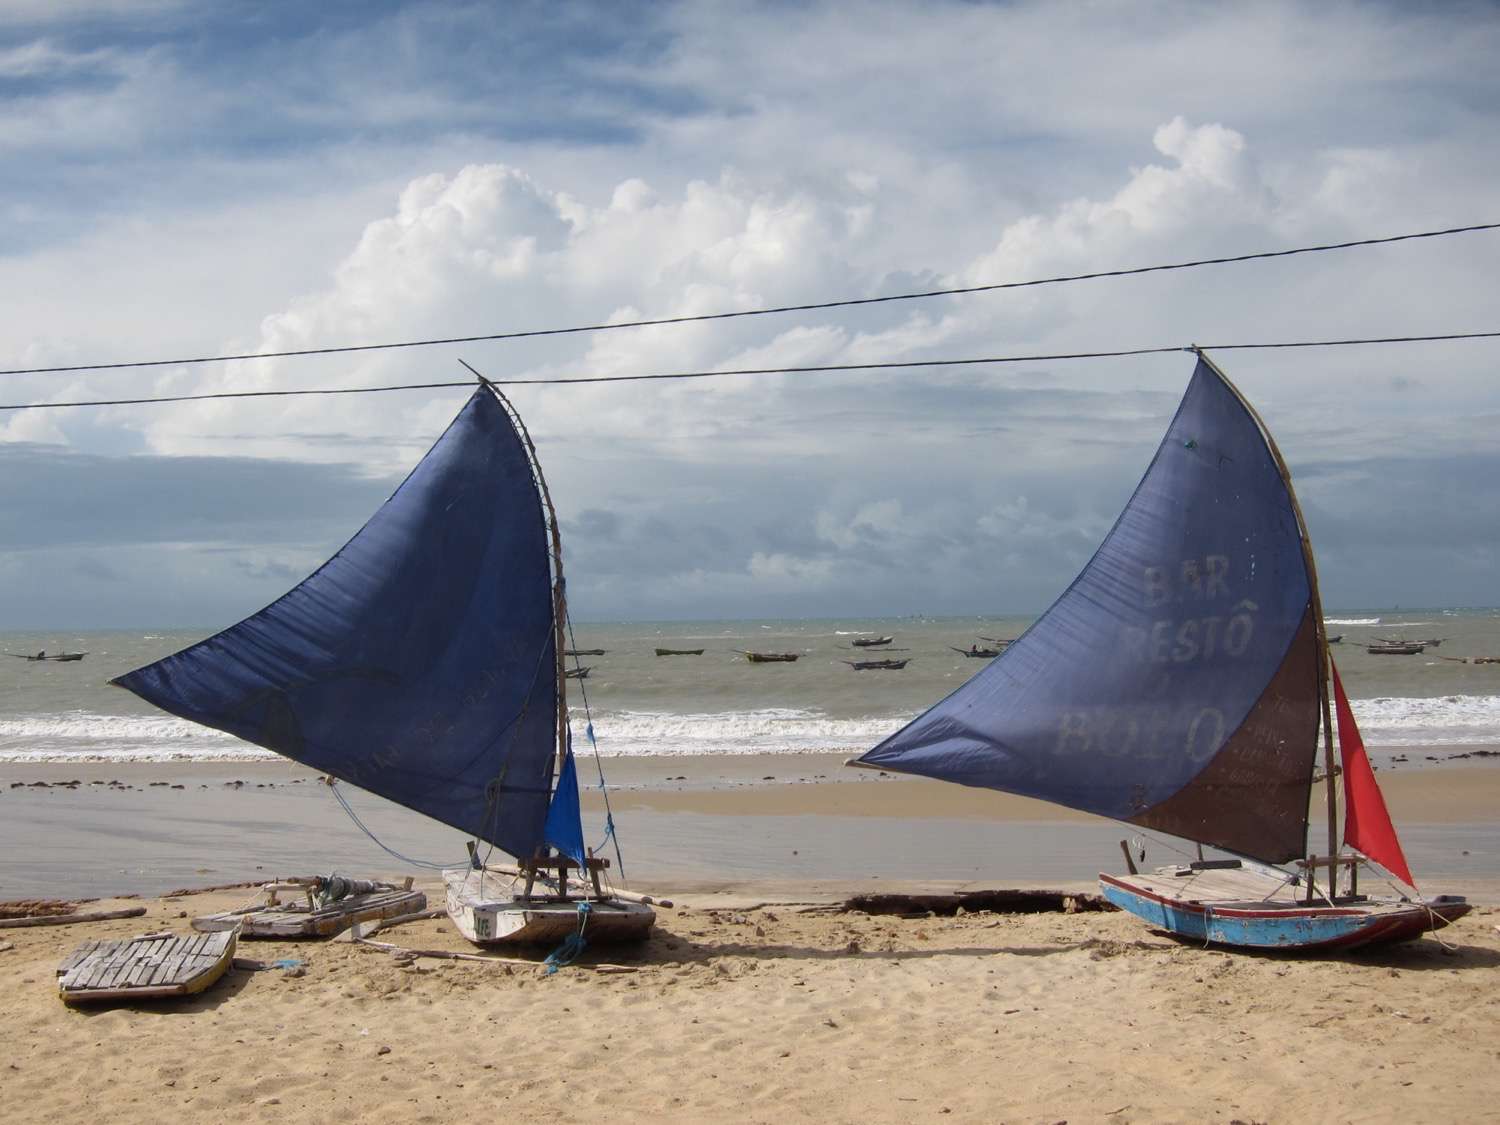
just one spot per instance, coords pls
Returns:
(720, 703)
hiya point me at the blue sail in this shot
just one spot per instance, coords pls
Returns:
(1174, 684)
(419, 662)
(564, 825)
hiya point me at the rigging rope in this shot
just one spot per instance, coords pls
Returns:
(737, 314)
(609, 816)
(333, 788)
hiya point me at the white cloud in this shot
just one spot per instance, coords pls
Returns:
(734, 162)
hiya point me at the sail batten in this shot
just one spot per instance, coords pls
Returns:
(417, 662)
(1174, 683)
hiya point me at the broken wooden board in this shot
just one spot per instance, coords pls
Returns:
(298, 920)
(149, 966)
(972, 902)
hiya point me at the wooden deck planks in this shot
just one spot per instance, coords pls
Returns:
(150, 965)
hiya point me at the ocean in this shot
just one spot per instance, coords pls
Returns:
(719, 703)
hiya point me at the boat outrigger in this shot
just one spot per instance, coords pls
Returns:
(1180, 684)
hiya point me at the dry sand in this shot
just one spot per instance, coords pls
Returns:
(739, 1009)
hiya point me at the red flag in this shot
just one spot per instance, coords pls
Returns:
(1367, 824)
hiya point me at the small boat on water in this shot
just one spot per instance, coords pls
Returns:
(1395, 648)
(999, 642)
(1430, 642)
(977, 653)
(679, 652)
(1336, 639)
(583, 652)
(1181, 684)
(871, 642)
(771, 657)
(424, 663)
(579, 673)
(60, 657)
(867, 665)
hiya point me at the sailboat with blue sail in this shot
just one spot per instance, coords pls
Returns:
(1180, 684)
(424, 662)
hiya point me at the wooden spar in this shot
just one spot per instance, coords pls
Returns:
(1317, 604)
(559, 594)
(70, 919)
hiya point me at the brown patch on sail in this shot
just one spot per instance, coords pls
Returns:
(1252, 797)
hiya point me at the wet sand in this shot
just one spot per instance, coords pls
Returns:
(795, 820)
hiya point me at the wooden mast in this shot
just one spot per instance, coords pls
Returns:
(1321, 631)
(559, 592)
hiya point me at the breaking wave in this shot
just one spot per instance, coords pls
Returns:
(1450, 720)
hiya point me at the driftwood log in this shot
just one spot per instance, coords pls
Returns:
(38, 907)
(992, 902)
(69, 919)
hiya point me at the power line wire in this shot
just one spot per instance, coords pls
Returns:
(812, 370)
(812, 307)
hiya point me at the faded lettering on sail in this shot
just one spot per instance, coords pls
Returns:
(1174, 684)
(418, 662)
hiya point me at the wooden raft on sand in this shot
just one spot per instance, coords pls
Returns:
(275, 919)
(145, 967)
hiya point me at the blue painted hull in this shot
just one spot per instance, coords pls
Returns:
(1291, 927)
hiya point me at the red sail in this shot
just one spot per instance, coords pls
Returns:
(1367, 824)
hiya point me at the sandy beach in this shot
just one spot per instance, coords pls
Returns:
(755, 1000)
(745, 1008)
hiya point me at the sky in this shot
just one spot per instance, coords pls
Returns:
(185, 179)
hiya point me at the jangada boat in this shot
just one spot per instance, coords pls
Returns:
(772, 657)
(1180, 684)
(424, 662)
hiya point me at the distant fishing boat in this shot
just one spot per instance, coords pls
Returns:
(1431, 642)
(871, 642)
(975, 652)
(771, 657)
(424, 663)
(867, 665)
(1395, 648)
(1180, 684)
(583, 652)
(579, 673)
(60, 657)
(1336, 639)
(679, 652)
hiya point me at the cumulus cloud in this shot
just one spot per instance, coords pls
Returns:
(962, 145)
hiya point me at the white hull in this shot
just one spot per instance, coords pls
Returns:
(487, 913)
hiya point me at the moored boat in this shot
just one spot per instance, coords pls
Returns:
(887, 665)
(679, 652)
(1181, 684)
(771, 657)
(432, 677)
(871, 642)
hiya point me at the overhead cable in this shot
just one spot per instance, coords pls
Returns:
(807, 370)
(811, 307)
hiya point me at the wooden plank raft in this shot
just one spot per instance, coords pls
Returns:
(145, 967)
(277, 920)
